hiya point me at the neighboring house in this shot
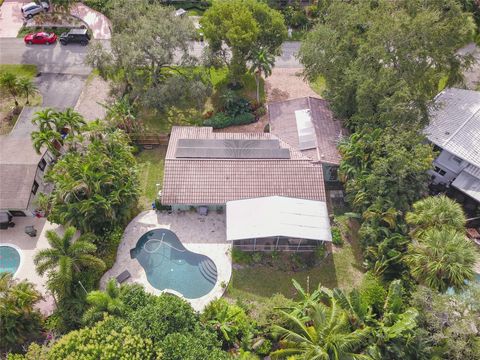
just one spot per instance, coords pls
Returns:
(308, 124)
(455, 130)
(252, 173)
(21, 175)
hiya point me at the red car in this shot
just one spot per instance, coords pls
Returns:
(40, 38)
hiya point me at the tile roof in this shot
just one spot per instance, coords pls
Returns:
(16, 185)
(455, 123)
(216, 181)
(328, 130)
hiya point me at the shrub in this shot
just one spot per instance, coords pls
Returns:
(241, 257)
(222, 120)
(257, 257)
(337, 237)
(234, 105)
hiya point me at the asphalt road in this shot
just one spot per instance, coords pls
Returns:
(70, 59)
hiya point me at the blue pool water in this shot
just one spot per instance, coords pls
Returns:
(169, 265)
(9, 259)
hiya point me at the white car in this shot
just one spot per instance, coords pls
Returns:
(31, 9)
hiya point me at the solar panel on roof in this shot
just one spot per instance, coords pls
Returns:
(231, 149)
(231, 143)
(231, 153)
(306, 132)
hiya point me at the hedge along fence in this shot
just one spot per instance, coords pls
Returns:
(221, 120)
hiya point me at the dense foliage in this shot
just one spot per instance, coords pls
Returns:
(244, 26)
(20, 322)
(383, 60)
(96, 185)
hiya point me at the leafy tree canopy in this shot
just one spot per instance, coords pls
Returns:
(96, 186)
(383, 60)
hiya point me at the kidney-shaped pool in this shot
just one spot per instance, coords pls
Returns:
(169, 265)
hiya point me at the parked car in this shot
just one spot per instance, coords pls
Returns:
(31, 9)
(75, 36)
(40, 38)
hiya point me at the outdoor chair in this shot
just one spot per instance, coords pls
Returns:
(123, 276)
(30, 231)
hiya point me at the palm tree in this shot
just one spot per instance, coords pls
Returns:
(436, 212)
(9, 83)
(27, 88)
(104, 302)
(70, 121)
(65, 257)
(20, 321)
(45, 119)
(325, 333)
(262, 62)
(48, 138)
(442, 258)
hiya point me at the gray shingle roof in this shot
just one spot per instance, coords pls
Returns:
(216, 181)
(328, 130)
(455, 123)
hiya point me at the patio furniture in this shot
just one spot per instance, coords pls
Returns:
(202, 210)
(123, 276)
(5, 219)
(30, 231)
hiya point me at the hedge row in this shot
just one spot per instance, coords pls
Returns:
(221, 120)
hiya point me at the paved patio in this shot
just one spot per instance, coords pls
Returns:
(200, 234)
(28, 247)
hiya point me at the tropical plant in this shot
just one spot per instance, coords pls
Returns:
(27, 88)
(123, 114)
(20, 321)
(9, 83)
(55, 128)
(64, 258)
(323, 333)
(104, 302)
(261, 62)
(442, 258)
(436, 212)
(96, 187)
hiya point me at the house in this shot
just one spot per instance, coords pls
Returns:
(308, 124)
(21, 175)
(454, 129)
(248, 173)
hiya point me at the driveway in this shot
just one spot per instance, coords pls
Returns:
(11, 19)
(97, 22)
(60, 90)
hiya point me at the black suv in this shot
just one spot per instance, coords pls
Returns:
(75, 36)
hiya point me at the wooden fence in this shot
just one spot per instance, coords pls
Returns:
(150, 139)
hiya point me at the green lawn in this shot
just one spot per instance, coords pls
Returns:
(8, 117)
(150, 164)
(318, 85)
(341, 269)
(20, 70)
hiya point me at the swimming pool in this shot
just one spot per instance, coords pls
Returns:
(9, 259)
(170, 266)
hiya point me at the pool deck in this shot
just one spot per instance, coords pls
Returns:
(200, 234)
(27, 247)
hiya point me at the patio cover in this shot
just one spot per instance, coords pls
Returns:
(468, 184)
(277, 216)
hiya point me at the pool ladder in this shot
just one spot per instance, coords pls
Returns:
(208, 270)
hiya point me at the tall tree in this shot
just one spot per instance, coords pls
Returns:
(151, 58)
(27, 88)
(243, 25)
(261, 63)
(64, 258)
(104, 302)
(9, 83)
(383, 61)
(436, 212)
(95, 187)
(442, 258)
(20, 322)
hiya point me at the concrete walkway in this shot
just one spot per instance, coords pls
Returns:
(11, 19)
(97, 22)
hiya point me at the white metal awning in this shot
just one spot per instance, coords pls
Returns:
(468, 184)
(277, 216)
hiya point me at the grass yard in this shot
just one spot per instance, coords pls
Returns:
(341, 269)
(150, 163)
(8, 117)
(318, 85)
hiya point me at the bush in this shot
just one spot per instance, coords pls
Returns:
(234, 105)
(241, 257)
(222, 120)
(337, 237)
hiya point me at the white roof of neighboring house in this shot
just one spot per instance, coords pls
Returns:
(455, 123)
(468, 181)
(278, 216)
